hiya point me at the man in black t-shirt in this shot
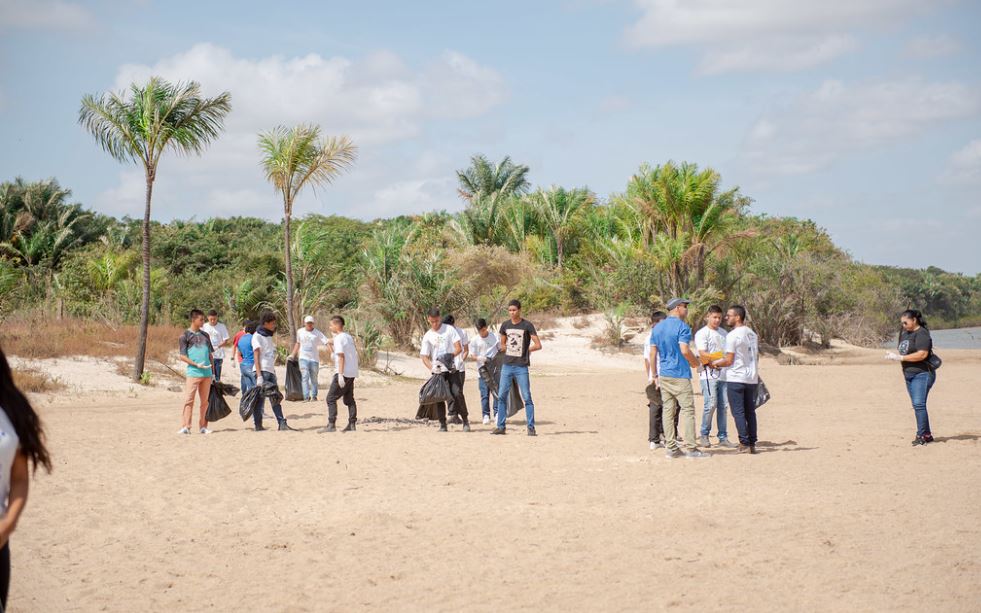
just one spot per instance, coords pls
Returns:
(518, 340)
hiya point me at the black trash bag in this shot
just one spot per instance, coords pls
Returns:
(217, 407)
(271, 391)
(437, 389)
(294, 381)
(249, 403)
(491, 374)
(226, 389)
(762, 394)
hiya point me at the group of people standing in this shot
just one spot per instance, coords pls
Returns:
(727, 364)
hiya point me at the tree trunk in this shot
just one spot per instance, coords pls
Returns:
(290, 316)
(140, 361)
(558, 250)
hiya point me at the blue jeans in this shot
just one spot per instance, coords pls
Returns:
(742, 401)
(248, 376)
(484, 396)
(218, 364)
(309, 369)
(918, 386)
(714, 397)
(277, 409)
(509, 373)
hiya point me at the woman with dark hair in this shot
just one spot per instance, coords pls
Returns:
(21, 441)
(915, 347)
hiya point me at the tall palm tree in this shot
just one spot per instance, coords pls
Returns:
(505, 178)
(557, 209)
(139, 126)
(293, 158)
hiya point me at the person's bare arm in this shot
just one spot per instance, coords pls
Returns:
(686, 351)
(653, 362)
(296, 349)
(725, 360)
(20, 479)
(427, 362)
(457, 348)
(916, 356)
(536, 344)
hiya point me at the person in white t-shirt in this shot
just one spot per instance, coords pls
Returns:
(342, 385)
(440, 346)
(655, 408)
(710, 344)
(220, 338)
(483, 348)
(309, 341)
(459, 377)
(742, 360)
(264, 349)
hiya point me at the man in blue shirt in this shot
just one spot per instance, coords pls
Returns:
(671, 354)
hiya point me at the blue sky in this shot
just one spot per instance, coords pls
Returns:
(864, 116)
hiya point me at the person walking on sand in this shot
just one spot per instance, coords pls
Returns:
(342, 385)
(655, 408)
(459, 377)
(264, 348)
(670, 342)
(915, 353)
(218, 334)
(741, 359)
(519, 340)
(309, 341)
(710, 344)
(483, 348)
(196, 351)
(440, 346)
(22, 445)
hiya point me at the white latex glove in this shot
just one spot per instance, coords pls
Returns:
(893, 356)
(438, 368)
(205, 366)
(259, 380)
(341, 382)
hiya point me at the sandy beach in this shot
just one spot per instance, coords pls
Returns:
(838, 512)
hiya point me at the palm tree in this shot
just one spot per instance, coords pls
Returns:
(139, 126)
(557, 209)
(292, 158)
(505, 179)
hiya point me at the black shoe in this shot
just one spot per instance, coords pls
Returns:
(919, 441)
(498, 431)
(259, 429)
(456, 420)
(752, 449)
(466, 426)
(285, 427)
(927, 438)
(531, 432)
(442, 428)
(349, 428)
(329, 428)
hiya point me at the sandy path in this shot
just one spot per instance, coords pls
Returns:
(840, 513)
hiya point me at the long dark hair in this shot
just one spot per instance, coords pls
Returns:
(21, 414)
(915, 316)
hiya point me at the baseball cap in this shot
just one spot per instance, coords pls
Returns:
(675, 302)
(308, 319)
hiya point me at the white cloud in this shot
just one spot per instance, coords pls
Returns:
(44, 14)
(378, 100)
(964, 165)
(838, 118)
(928, 47)
(767, 35)
(415, 195)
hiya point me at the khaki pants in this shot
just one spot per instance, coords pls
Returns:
(202, 387)
(677, 394)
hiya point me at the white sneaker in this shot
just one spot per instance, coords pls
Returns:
(656, 444)
(486, 419)
(184, 431)
(205, 431)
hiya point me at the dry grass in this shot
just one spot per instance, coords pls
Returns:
(37, 337)
(581, 323)
(35, 381)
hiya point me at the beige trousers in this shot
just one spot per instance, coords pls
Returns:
(676, 394)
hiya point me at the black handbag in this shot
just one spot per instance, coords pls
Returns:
(933, 361)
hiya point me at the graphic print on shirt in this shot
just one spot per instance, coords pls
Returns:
(515, 342)
(904, 347)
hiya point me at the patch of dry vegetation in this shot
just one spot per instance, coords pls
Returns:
(33, 381)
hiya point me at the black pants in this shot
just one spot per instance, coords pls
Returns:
(458, 405)
(347, 393)
(742, 404)
(4, 576)
(655, 408)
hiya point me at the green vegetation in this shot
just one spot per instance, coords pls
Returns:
(673, 230)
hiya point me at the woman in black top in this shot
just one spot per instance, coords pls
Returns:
(915, 347)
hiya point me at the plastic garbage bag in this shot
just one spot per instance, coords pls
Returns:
(491, 374)
(226, 389)
(217, 407)
(271, 391)
(762, 394)
(436, 389)
(249, 403)
(294, 381)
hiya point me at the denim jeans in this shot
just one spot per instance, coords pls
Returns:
(218, 362)
(742, 401)
(714, 397)
(509, 373)
(277, 409)
(484, 397)
(918, 386)
(248, 376)
(309, 369)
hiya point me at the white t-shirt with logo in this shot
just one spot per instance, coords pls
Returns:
(708, 340)
(309, 343)
(218, 334)
(464, 344)
(267, 352)
(344, 345)
(484, 348)
(743, 343)
(9, 444)
(439, 342)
